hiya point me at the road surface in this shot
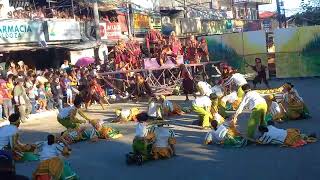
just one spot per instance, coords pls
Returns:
(195, 161)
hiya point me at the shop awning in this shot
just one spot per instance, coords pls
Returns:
(34, 47)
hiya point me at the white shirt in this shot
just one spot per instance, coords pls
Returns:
(141, 130)
(162, 137)
(230, 98)
(275, 108)
(63, 66)
(6, 134)
(49, 151)
(125, 113)
(237, 79)
(292, 92)
(216, 136)
(217, 90)
(153, 109)
(252, 99)
(203, 101)
(205, 87)
(168, 104)
(65, 112)
(273, 136)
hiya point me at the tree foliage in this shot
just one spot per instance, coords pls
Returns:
(310, 14)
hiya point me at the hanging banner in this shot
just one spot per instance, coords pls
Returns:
(110, 31)
(63, 30)
(20, 31)
(140, 23)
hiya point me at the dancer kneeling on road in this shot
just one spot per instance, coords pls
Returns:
(164, 144)
(142, 142)
(169, 108)
(10, 143)
(52, 166)
(258, 105)
(224, 134)
(202, 106)
(69, 116)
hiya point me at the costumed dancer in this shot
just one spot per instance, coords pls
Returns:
(154, 109)
(275, 111)
(258, 105)
(169, 108)
(203, 50)
(188, 83)
(52, 165)
(142, 87)
(192, 50)
(224, 134)
(104, 131)
(175, 44)
(237, 80)
(143, 140)
(96, 93)
(69, 116)
(293, 103)
(202, 106)
(10, 143)
(216, 109)
(261, 71)
(125, 115)
(134, 50)
(165, 141)
(289, 137)
(204, 88)
(121, 55)
(154, 40)
(166, 54)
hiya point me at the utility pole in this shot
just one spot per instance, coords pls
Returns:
(129, 12)
(279, 13)
(96, 20)
(185, 8)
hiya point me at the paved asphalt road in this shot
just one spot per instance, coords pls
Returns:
(105, 160)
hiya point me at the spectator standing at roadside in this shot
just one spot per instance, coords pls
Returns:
(21, 100)
(30, 88)
(57, 93)
(49, 96)
(7, 100)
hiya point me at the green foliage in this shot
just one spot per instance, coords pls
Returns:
(310, 14)
(313, 46)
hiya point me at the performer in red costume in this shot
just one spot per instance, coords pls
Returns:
(192, 50)
(133, 47)
(154, 40)
(175, 44)
(203, 50)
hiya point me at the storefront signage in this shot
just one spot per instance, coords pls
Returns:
(20, 31)
(63, 30)
(140, 23)
(110, 31)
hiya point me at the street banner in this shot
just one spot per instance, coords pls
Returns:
(63, 30)
(20, 31)
(110, 31)
(140, 23)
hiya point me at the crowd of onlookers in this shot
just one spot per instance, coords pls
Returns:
(29, 91)
(38, 13)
